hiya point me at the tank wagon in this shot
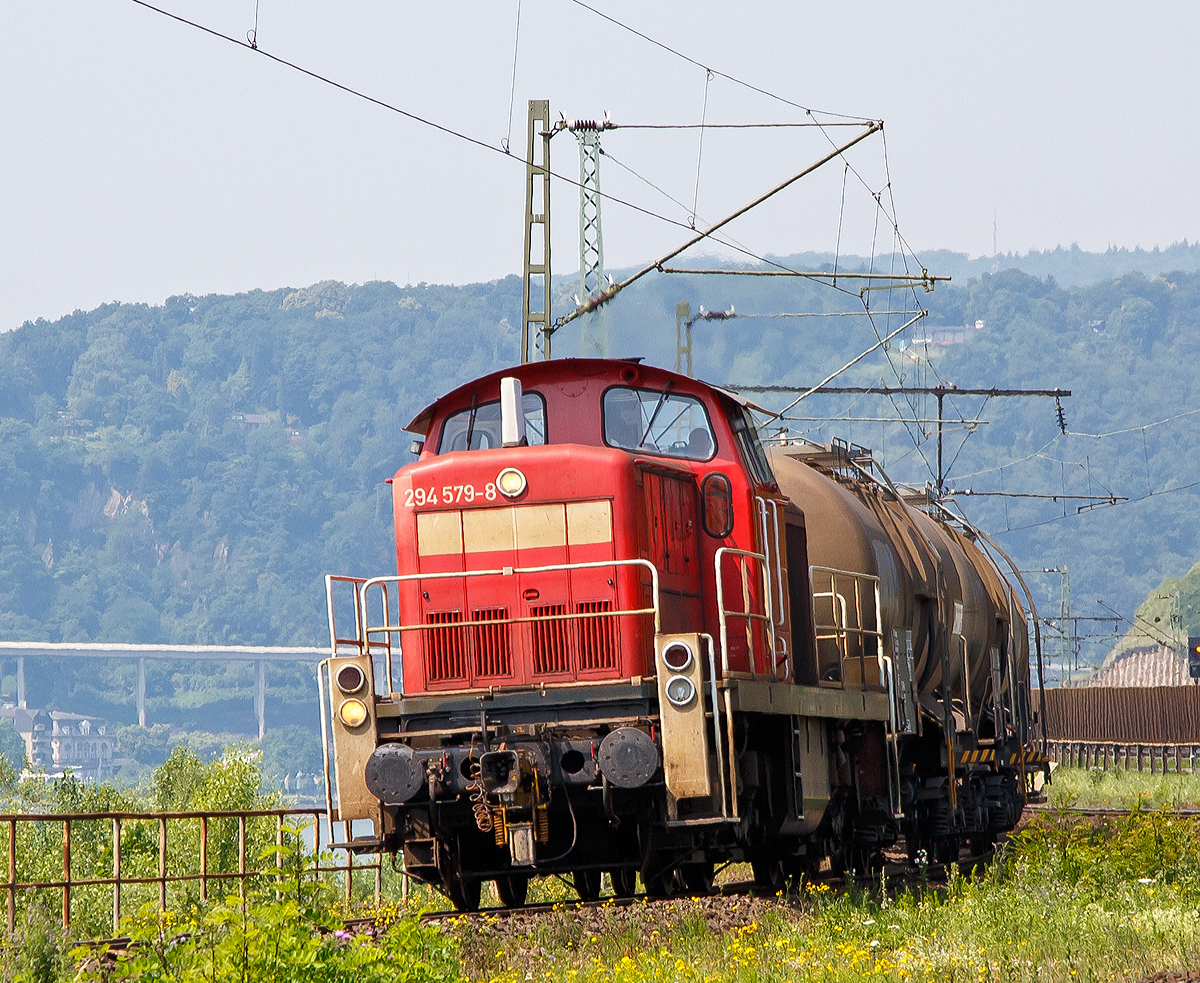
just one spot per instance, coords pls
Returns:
(626, 637)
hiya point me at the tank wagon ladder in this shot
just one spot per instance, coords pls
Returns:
(839, 631)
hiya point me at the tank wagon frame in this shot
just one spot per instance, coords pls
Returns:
(624, 637)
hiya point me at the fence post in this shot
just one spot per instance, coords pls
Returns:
(316, 845)
(204, 858)
(279, 856)
(116, 907)
(66, 855)
(12, 876)
(242, 857)
(162, 864)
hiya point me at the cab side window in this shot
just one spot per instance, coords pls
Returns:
(479, 428)
(753, 455)
(656, 421)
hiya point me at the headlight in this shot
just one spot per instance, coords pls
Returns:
(350, 679)
(680, 691)
(354, 712)
(511, 482)
(677, 656)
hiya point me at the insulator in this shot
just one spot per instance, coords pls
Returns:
(1062, 418)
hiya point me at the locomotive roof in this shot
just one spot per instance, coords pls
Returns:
(533, 374)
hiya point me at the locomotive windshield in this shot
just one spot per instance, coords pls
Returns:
(657, 422)
(478, 428)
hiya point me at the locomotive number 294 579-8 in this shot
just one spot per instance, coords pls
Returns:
(450, 494)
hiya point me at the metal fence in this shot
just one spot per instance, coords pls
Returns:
(1155, 758)
(1123, 715)
(164, 857)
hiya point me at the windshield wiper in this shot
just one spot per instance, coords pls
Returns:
(471, 419)
(654, 416)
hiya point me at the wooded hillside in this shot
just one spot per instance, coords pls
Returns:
(189, 472)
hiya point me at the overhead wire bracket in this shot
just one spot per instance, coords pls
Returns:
(606, 295)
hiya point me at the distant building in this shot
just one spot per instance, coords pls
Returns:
(57, 741)
(252, 419)
(944, 334)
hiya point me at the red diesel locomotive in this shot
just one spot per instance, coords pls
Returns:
(625, 637)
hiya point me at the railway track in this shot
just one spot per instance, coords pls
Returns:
(1101, 811)
(893, 874)
(740, 889)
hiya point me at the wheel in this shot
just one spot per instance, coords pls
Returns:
(513, 890)
(659, 885)
(697, 878)
(587, 884)
(768, 874)
(624, 882)
(463, 892)
(945, 850)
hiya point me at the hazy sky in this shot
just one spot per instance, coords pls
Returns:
(143, 159)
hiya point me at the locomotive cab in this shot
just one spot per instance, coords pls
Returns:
(607, 647)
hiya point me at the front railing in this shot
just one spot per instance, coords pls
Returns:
(377, 638)
(161, 857)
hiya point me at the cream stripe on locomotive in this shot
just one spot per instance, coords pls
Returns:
(514, 527)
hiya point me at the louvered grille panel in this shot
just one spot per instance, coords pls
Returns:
(596, 637)
(550, 641)
(445, 647)
(492, 651)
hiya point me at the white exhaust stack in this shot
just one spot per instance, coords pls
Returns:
(512, 413)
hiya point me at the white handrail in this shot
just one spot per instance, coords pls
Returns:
(722, 613)
(387, 629)
(844, 630)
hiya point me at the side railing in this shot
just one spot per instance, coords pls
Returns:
(856, 626)
(851, 597)
(746, 613)
(159, 857)
(376, 636)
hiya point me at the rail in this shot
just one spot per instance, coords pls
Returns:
(129, 850)
(377, 638)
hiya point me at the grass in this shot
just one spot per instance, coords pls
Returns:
(1070, 899)
(1094, 787)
